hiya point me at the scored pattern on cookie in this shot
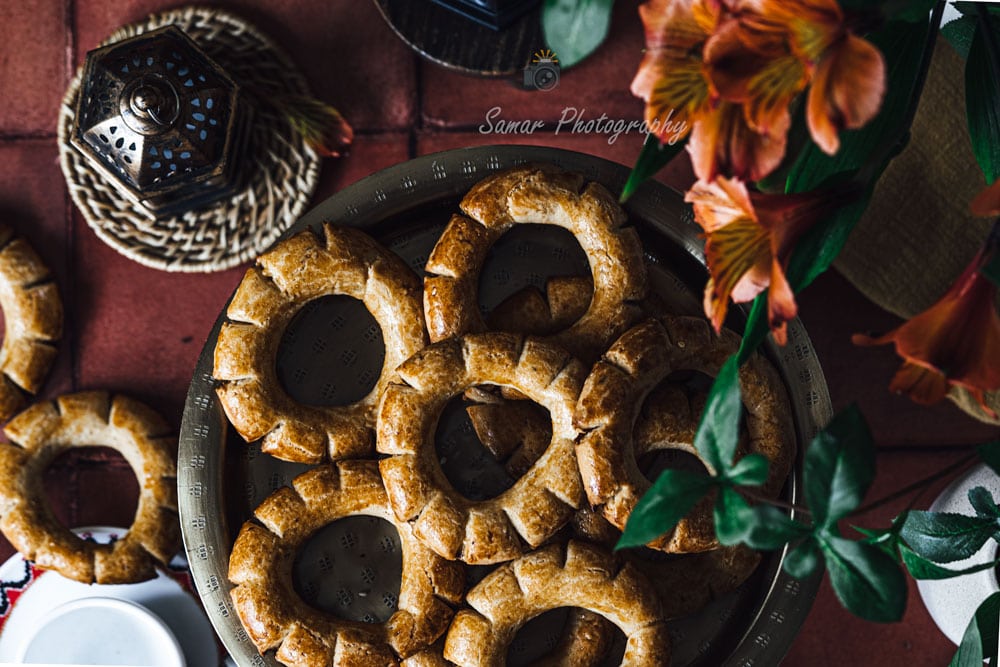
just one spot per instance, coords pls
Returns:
(86, 419)
(615, 392)
(530, 511)
(539, 195)
(571, 575)
(303, 268)
(274, 616)
(33, 320)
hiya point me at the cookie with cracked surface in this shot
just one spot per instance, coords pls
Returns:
(33, 320)
(300, 269)
(86, 419)
(538, 504)
(276, 617)
(615, 391)
(538, 194)
(571, 575)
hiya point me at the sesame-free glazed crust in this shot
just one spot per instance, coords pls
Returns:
(537, 194)
(86, 419)
(570, 575)
(276, 617)
(538, 504)
(302, 268)
(614, 394)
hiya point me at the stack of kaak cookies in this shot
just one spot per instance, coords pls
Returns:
(602, 366)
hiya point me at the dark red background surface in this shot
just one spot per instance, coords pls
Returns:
(139, 331)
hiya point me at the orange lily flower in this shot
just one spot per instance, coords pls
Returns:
(670, 77)
(749, 237)
(955, 342)
(723, 143)
(987, 202)
(775, 47)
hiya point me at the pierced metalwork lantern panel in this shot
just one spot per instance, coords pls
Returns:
(162, 121)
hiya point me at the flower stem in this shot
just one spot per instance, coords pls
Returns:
(752, 495)
(958, 466)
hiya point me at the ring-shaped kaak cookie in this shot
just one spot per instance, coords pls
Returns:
(541, 195)
(33, 319)
(275, 616)
(306, 267)
(44, 431)
(685, 583)
(574, 575)
(538, 503)
(614, 394)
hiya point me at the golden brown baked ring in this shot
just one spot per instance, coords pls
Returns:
(538, 503)
(685, 583)
(542, 195)
(33, 319)
(574, 575)
(275, 616)
(528, 311)
(298, 270)
(615, 392)
(514, 432)
(87, 419)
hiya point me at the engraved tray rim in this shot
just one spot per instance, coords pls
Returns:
(420, 182)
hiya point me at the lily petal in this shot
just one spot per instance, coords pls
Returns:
(722, 143)
(720, 202)
(846, 92)
(676, 93)
(923, 385)
(781, 306)
(738, 256)
(957, 338)
(987, 202)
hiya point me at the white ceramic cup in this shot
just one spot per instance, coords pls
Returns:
(101, 631)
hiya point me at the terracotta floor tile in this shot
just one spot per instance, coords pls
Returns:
(350, 57)
(32, 66)
(598, 85)
(141, 330)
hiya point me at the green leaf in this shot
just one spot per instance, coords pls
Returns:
(982, 501)
(751, 470)
(982, 103)
(671, 497)
(944, 537)
(980, 639)
(719, 429)
(575, 28)
(867, 581)
(989, 452)
(653, 157)
(908, 10)
(921, 568)
(803, 559)
(761, 527)
(959, 34)
(839, 467)
(902, 45)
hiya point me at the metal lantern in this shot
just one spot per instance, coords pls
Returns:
(161, 121)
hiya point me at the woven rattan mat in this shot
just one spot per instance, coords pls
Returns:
(283, 170)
